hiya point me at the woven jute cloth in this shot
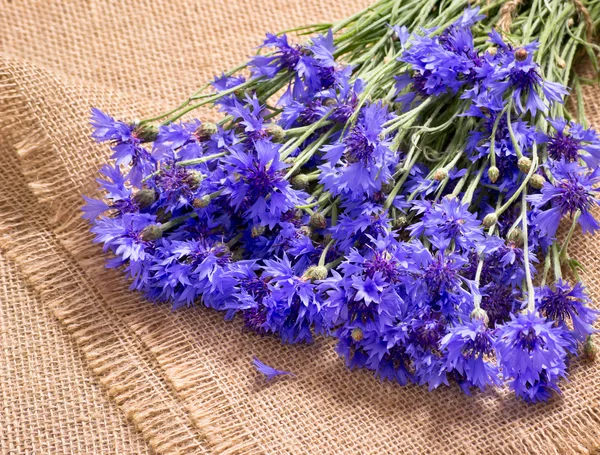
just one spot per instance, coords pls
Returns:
(86, 366)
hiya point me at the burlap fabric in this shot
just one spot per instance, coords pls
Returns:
(88, 367)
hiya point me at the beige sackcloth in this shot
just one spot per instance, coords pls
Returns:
(88, 367)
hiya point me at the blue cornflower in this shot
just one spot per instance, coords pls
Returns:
(124, 235)
(467, 347)
(285, 57)
(360, 162)
(120, 197)
(359, 226)
(295, 305)
(179, 140)
(532, 353)
(126, 145)
(569, 139)
(257, 185)
(450, 221)
(498, 301)
(520, 77)
(566, 305)
(573, 191)
(441, 64)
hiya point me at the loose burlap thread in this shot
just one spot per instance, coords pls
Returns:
(81, 354)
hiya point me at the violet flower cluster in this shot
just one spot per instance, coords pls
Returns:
(325, 214)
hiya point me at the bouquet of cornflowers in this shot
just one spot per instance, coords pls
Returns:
(397, 181)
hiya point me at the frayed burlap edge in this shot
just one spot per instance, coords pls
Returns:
(42, 245)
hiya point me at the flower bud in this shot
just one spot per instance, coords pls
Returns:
(516, 236)
(305, 230)
(521, 54)
(537, 181)
(257, 231)
(387, 187)
(524, 164)
(316, 273)
(493, 174)
(145, 133)
(589, 349)
(440, 174)
(300, 182)
(401, 221)
(194, 179)
(145, 198)
(492, 50)
(560, 62)
(151, 232)
(201, 202)
(570, 22)
(357, 334)
(318, 221)
(490, 219)
(162, 215)
(205, 131)
(276, 131)
(481, 315)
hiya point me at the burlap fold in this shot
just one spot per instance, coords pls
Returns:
(184, 379)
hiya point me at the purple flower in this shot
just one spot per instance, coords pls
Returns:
(450, 221)
(123, 235)
(574, 190)
(295, 306)
(256, 185)
(178, 140)
(531, 352)
(285, 56)
(568, 306)
(569, 139)
(468, 346)
(126, 145)
(268, 371)
(358, 164)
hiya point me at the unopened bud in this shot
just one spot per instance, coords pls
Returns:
(162, 215)
(300, 182)
(570, 22)
(524, 164)
(316, 272)
(516, 236)
(440, 174)
(257, 231)
(493, 174)
(194, 179)
(490, 219)
(480, 314)
(276, 131)
(305, 230)
(145, 198)
(206, 130)
(201, 202)
(318, 221)
(521, 54)
(492, 50)
(401, 221)
(560, 62)
(151, 232)
(387, 187)
(357, 334)
(145, 133)
(537, 181)
(589, 349)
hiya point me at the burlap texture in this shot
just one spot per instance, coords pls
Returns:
(80, 353)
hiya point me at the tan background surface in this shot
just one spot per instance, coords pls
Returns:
(88, 367)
